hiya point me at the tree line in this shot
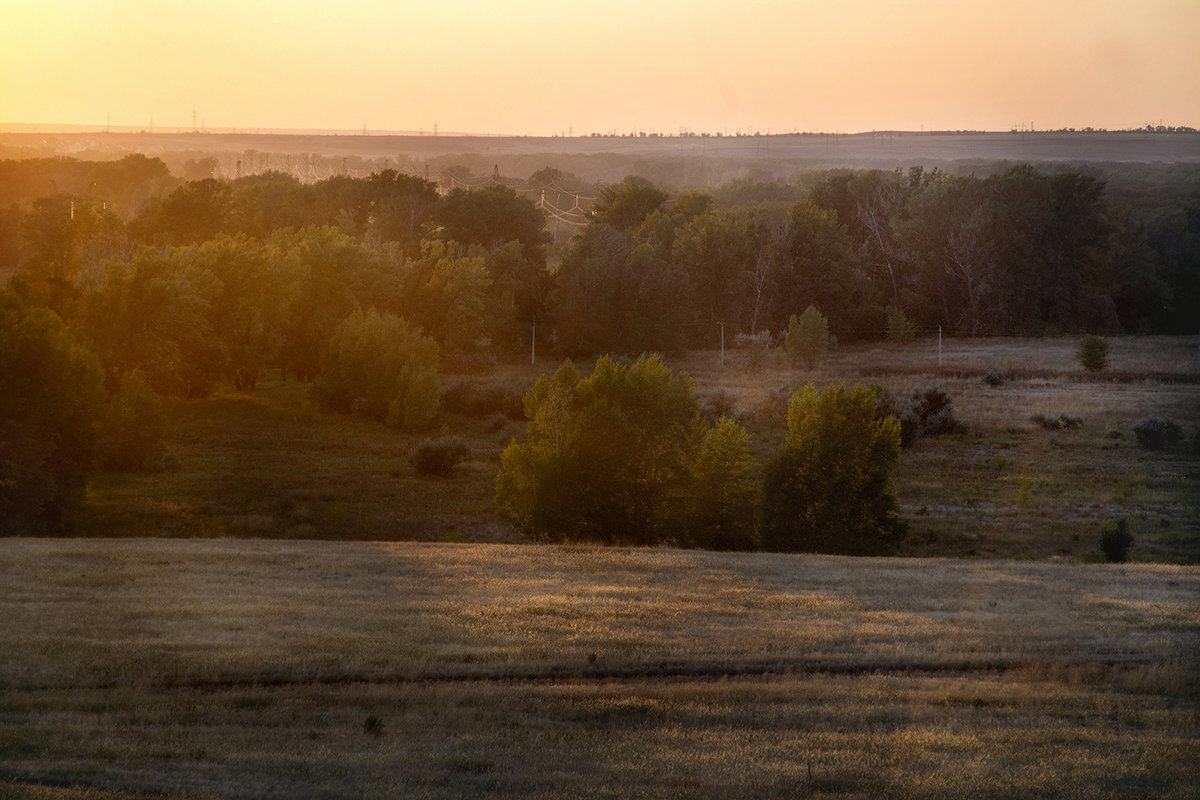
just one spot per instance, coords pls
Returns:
(153, 290)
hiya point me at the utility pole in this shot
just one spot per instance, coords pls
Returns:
(722, 324)
(533, 344)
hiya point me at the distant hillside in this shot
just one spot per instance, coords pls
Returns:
(690, 160)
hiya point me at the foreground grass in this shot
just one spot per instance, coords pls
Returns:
(255, 669)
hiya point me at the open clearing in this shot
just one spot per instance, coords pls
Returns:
(266, 464)
(264, 669)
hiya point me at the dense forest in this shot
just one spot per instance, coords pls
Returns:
(126, 283)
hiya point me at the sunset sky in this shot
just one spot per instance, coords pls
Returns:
(539, 67)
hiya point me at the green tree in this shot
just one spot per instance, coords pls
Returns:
(246, 305)
(152, 315)
(51, 394)
(131, 428)
(618, 458)
(627, 204)
(829, 489)
(726, 491)
(445, 293)
(491, 217)
(806, 336)
(326, 275)
(378, 366)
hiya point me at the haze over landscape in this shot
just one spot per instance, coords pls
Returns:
(455, 399)
(534, 67)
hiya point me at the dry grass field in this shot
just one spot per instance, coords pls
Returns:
(257, 669)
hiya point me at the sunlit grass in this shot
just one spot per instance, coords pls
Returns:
(254, 669)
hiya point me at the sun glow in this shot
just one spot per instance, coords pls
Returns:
(540, 67)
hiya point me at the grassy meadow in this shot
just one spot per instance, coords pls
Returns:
(267, 464)
(290, 669)
(289, 610)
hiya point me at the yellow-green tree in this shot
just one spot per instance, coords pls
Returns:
(620, 457)
(829, 490)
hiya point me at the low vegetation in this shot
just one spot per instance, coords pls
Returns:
(252, 669)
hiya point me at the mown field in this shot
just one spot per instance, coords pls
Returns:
(288, 669)
(268, 464)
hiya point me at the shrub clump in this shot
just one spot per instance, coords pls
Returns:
(439, 456)
(1115, 540)
(927, 412)
(1063, 422)
(994, 378)
(1093, 353)
(483, 400)
(1155, 433)
(900, 327)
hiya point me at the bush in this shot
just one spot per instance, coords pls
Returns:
(378, 366)
(718, 404)
(1155, 433)
(900, 328)
(927, 412)
(482, 400)
(807, 336)
(829, 489)
(439, 456)
(1115, 540)
(1093, 353)
(1063, 422)
(994, 378)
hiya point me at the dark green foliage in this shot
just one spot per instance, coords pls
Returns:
(927, 412)
(1093, 353)
(807, 336)
(482, 400)
(378, 366)
(491, 217)
(131, 430)
(1155, 433)
(1063, 422)
(439, 456)
(829, 489)
(627, 204)
(725, 491)
(152, 315)
(900, 328)
(1115, 540)
(619, 458)
(994, 378)
(51, 395)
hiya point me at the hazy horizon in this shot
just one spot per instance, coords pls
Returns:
(538, 68)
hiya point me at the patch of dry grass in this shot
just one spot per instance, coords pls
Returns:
(254, 669)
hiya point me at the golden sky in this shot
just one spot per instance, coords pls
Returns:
(539, 67)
